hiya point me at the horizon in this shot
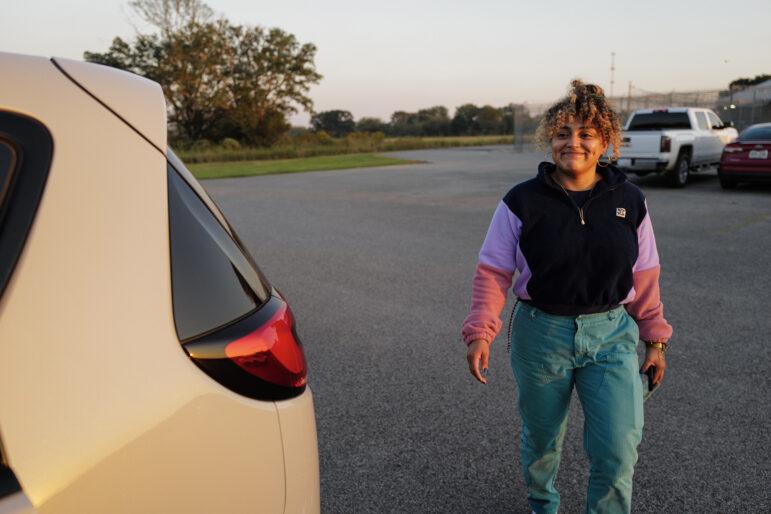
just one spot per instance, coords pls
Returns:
(407, 56)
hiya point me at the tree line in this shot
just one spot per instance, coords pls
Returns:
(743, 82)
(468, 120)
(241, 83)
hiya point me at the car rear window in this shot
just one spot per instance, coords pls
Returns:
(756, 134)
(214, 281)
(8, 482)
(660, 121)
(26, 149)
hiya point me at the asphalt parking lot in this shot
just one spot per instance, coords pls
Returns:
(377, 264)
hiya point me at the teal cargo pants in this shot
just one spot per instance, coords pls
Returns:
(596, 354)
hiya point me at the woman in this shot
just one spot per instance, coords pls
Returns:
(581, 238)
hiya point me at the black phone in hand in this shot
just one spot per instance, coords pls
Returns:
(652, 386)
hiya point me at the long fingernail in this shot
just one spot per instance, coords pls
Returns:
(484, 372)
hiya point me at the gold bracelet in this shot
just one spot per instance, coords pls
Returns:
(656, 344)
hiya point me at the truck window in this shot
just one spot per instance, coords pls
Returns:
(660, 121)
(714, 121)
(701, 119)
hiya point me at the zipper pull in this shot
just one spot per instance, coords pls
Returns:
(581, 213)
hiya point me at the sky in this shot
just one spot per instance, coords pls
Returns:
(380, 57)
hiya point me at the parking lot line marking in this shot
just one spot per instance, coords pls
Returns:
(740, 225)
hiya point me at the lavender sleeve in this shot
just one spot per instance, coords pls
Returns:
(501, 248)
(497, 264)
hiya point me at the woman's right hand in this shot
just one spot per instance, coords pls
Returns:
(478, 353)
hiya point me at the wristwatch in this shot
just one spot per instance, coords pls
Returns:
(656, 344)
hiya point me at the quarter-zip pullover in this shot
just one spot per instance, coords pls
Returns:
(571, 259)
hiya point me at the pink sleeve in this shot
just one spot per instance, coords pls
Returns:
(488, 295)
(646, 307)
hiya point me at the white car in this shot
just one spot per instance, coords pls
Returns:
(146, 364)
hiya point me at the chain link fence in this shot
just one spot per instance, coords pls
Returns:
(742, 106)
(745, 107)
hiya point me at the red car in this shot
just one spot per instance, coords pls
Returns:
(747, 159)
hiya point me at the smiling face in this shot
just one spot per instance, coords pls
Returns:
(576, 149)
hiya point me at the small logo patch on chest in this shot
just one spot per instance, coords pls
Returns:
(620, 212)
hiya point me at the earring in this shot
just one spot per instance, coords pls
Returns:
(599, 163)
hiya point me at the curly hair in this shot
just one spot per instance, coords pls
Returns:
(585, 102)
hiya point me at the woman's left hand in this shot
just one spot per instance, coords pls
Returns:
(655, 357)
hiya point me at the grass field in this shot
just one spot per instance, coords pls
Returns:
(210, 170)
(310, 146)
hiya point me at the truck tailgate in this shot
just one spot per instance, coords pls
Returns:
(640, 144)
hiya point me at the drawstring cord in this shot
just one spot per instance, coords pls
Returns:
(511, 323)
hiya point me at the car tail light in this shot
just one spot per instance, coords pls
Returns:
(260, 356)
(272, 352)
(666, 144)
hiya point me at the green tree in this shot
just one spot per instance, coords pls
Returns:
(335, 123)
(371, 125)
(437, 112)
(403, 124)
(219, 80)
(171, 16)
(489, 119)
(465, 120)
(434, 121)
(268, 74)
(189, 65)
(745, 82)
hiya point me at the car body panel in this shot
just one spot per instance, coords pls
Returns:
(748, 159)
(223, 470)
(298, 426)
(739, 168)
(133, 98)
(101, 410)
(740, 162)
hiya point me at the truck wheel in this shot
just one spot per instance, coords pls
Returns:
(678, 176)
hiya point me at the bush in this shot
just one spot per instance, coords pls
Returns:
(306, 139)
(323, 138)
(230, 144)
(298, 131)
(364, 141)
(200, 145)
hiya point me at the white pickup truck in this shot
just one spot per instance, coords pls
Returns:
(673, 142)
